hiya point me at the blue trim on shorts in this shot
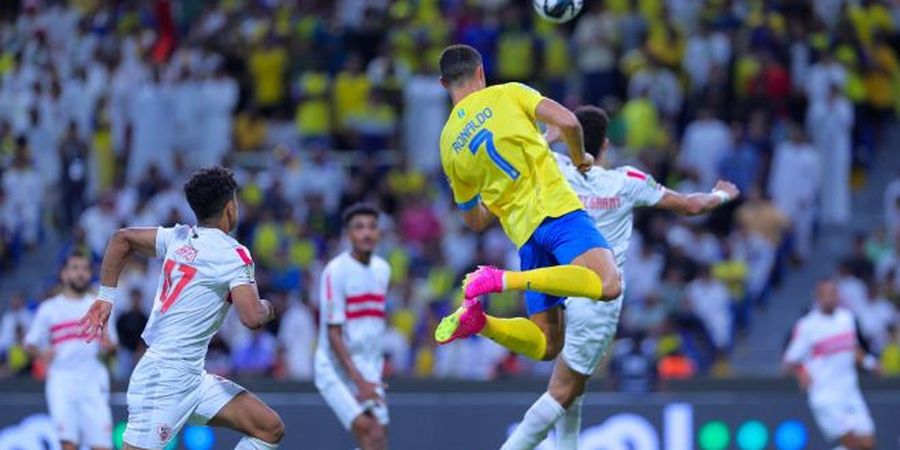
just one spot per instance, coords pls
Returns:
(557, 241)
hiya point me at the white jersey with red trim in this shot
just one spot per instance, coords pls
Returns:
(57, 325)
(201, 267)
(352, 294)
(610, 197)
(825, 344)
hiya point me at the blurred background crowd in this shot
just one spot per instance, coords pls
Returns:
(105, 107)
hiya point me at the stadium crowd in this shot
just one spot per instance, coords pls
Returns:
(105, 107)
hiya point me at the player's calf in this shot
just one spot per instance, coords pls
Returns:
(551, 325)
(247, 414)
(370, 434)
(566, 385)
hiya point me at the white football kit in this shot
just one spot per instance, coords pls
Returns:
(352, 295)
(826, 344)
(169, 386)
(77, 387)
(609, 196)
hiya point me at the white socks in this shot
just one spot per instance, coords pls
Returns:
(569, 426)
(534, 427)
(249, 443)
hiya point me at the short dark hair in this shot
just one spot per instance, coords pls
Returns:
(359, 209)
(594, 122)
(209, 190)
(458, 63)
(76, 253)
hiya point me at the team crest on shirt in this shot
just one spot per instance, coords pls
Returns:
(164, 431)
(187, 253)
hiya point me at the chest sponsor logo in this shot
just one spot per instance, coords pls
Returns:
(595, 202)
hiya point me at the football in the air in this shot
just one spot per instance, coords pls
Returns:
(558, 11)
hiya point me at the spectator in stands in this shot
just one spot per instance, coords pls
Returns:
(794, 184)
(129, 326)
(823, 76)
(892, 207)
(396, 352)
(426, 108)
(297, 336)
(100, 222)
(267, 63)
(595, 38)
(24, 188)
(852, 292)
(633, 366)
(705, 50)
(662, 86)
(149, 112)
(890, 356)
(220, 93)
(830, 123)
(16, 317)
(742, 165)
(711, 302)
(706, 141)
(643, 273)
(42, 143)
(875, 316)
(257, 355)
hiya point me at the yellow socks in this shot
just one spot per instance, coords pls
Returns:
(560, 281)
(517, 334)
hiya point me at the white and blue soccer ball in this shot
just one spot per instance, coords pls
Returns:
(558, 11)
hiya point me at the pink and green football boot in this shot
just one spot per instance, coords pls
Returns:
(468, 320)
(485, 280)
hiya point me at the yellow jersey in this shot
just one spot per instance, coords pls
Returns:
(493, 152)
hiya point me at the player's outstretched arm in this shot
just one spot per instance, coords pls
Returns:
(253, 311)
(699, 202)
(558, 116)
(124, 243)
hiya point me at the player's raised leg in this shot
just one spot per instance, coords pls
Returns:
(565, 246)
(592, 275)
(247, 414)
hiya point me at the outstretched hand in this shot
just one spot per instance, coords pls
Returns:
(93, 324)
(729, 188)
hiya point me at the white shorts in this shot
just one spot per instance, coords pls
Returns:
(163, 396)
(839, 416)
(80, 409)
(340, 395)
(590, 329)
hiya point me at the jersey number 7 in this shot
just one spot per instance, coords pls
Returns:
(484, 136)
(169, 292)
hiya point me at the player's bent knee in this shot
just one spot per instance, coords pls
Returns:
(272, 431)
(612, 289)
(361, 426)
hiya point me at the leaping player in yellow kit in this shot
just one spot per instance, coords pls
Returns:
(499, 164)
